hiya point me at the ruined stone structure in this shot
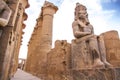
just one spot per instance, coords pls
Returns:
(41, 41)
(12, 15)
(87, 57)
(112, 44)
(87, 46)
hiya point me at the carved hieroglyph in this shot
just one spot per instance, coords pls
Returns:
(5, 13)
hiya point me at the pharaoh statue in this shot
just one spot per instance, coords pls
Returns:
(83, 30)
(5, 13)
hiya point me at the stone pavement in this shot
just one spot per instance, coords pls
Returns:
(21, 75)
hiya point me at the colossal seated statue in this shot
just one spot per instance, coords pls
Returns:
(5, 13)
(84, 34)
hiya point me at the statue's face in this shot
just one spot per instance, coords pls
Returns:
(82, 14)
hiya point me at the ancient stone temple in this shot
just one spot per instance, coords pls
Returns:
(41, 41)
(12, 15)
(87, 57)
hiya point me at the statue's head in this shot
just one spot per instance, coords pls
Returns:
(81, 12)
(80, 6)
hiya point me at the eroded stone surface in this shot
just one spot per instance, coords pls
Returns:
(12, 15)
(112, 44)
(41, 39)
(87, 46)
(95, 74)
(58, 61)
(5, 13)
(88, 57)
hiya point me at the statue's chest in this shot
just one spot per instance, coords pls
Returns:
(87, 29)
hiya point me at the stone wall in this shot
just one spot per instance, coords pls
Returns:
(112, 44)
(58, 61)
(60, 64)
(10, 39)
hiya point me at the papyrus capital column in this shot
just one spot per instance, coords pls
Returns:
(48, 11)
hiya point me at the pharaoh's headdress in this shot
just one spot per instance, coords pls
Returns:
(79, 7)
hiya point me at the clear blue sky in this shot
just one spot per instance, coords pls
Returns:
(104, 15)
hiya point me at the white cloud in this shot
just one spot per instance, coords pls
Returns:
(65, 16)
(62, 26)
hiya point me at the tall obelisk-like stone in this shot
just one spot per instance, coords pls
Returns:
(41, 41)
(48, 12)
(45, 43)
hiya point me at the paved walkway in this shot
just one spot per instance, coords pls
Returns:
(21, 75)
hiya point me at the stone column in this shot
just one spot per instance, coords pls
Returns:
(9, 44)
(48, 11)
(45, 43)
(41, 41)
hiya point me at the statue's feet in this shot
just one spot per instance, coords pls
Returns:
(98, 64)
(107, 65)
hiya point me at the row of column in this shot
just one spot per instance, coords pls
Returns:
(41, 41)
(11, 38)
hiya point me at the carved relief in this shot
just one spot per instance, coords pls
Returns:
(5, 13)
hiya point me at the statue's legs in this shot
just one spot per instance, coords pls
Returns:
(102, 50)
(94, 50)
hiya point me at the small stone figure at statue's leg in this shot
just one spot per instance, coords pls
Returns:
(93, 44)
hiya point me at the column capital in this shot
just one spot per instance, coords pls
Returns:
(49, 4)
(49, 8)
